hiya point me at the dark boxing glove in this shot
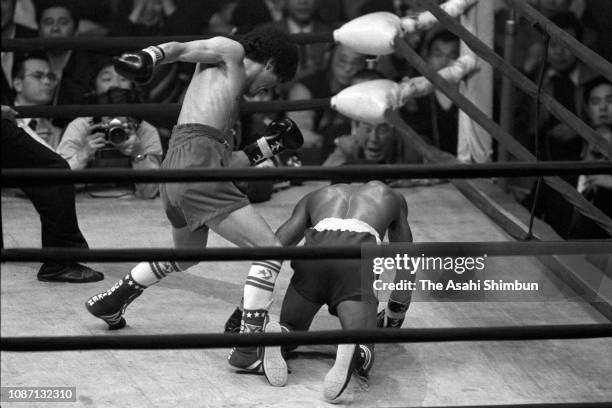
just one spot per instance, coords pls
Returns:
(283, 134)
(139, 65)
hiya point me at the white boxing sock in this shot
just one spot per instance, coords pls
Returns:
(260, 284)
(149, 273)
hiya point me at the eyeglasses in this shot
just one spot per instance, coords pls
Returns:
(38, 75)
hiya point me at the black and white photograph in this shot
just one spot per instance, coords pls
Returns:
(306, 203)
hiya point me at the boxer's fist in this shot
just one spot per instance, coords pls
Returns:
(286, 133)
(138, 66)
(283, 134)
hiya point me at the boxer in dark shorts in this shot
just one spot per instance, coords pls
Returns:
(192, 205)
(332, 281)
(340, 214)
(226, 70)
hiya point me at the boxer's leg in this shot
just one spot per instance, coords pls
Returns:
(353, 315)
(110, 305)
(246, 228)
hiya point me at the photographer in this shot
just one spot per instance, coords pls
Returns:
(113, 142)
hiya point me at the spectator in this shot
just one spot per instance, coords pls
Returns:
(564, 78)
(34, 84)
(598, 20)
(301, 17)
(57, 19)
(10, 29)
(595, 188)
(434, 116)
(528, 45)
(55, 204)
(248, 14)
(87, 143)
(223, 21)
(146, 18)
(370, 144)
(320, 127)
(94, 17)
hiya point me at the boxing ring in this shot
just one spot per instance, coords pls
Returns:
(549, 349)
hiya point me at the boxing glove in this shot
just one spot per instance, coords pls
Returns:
(372, 34)
(283, 134)
(367, 101)
(139, 65)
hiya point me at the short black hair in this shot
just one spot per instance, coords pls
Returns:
(592, 84)
(266, 43)
(441, 35)
(69, 5)
(18, 70)
(569, 21)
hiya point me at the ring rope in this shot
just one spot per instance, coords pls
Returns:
(587, 55)
(440, 249)
(503, 137)
(469, 188)
(361, 336)
(24, 177)
(524, 83)
(123, 43)
(157, 109)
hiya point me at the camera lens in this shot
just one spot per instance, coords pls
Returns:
(117, 135)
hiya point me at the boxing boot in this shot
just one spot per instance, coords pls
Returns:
(339, 376)
(274, 365)
(395, 316)
(110, 305)
(249, 358)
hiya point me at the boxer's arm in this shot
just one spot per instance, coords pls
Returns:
(292, 231)
(211, 51)
(399, 229)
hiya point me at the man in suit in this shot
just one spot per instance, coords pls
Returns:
(54, 203)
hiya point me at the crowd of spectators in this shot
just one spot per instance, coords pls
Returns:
(58, 77)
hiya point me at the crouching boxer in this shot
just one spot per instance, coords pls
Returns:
(226, 70)
(341, 214)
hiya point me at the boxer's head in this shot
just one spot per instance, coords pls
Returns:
(271, 57)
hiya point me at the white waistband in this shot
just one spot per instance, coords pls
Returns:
(351, 224)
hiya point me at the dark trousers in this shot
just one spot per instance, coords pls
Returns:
(54, 203)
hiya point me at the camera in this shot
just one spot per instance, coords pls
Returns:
(115, 131)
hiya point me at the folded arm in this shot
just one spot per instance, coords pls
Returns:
(211, 51)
